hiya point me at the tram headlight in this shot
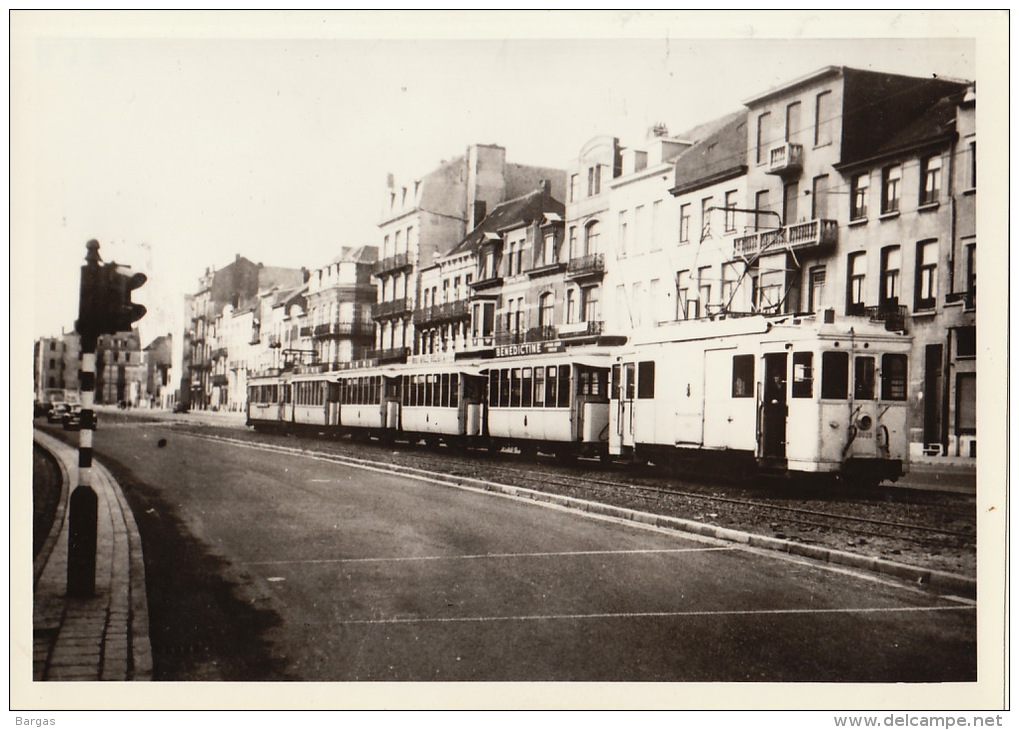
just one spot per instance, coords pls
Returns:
(864, 423)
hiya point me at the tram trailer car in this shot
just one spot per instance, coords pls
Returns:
(796, 396)
(550, 403)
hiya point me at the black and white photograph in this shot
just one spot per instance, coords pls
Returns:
(510, 360)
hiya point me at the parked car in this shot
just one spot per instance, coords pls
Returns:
(72, 419)
(57, 412)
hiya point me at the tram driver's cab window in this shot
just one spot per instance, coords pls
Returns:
(835, 375)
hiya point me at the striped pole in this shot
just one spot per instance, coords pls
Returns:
(83, 520)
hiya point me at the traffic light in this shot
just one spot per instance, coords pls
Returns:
(119, 313)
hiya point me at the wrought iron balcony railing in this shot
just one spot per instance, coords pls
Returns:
(392, 308)
(391, 263)
(591, 265)
(444, 312)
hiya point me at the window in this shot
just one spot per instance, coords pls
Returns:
(705, 218)
(704, 287)
(730, 212)
(926, 275)
(682, 293)
(638, 229)
(823, 118)
(761, 205)
(816, 293)
(539, 387)
(803, 375)
(763, 121)
(623, 242)
(966, 403)
(971, 276)
(856, 279)
(549, 253)
(863, 382)
(571, 306)
(893, 377)
(591, 235)
(551, 386)
(792, 121)
(891, 266)
(930, 180)
(656, 224)
(589, 298)
(574, 253)
(526, 388)
(594, 180)
(646, 379)
(819, 206)
(574, 187)
(684, 223)
(790, 193)
(730, 278)
(835, 375)
(966, 342)
(891, 176)
(972, 164)
(858, 196)
(743, 376)
(563, 400)
(545, 304)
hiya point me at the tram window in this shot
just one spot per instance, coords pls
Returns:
(515, 388)
(429, 390)
(539, 387)
(564, 386)
(527, 382)
(437, 390)
(742, 376)
(893, 377)
(444, 390)
(504, 387)
(646, 379)
(454, 390)
(493, 388)
(835, 375)
(803, 375)
(615, 381)
(630, 377)
(551, 387)
(334, 392)
(863, 384)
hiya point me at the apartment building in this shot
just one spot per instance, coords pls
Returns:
(424, 218)
(121, 372)
(340, 296)
(56, 363)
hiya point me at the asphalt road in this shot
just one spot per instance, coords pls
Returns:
(370, 576)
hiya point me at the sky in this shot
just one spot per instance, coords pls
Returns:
(179, 140)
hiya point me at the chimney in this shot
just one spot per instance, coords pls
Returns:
(478, 213)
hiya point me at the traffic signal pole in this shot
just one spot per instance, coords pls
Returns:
(83, 519)
(104, 307)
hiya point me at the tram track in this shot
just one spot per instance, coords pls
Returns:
(678, 502)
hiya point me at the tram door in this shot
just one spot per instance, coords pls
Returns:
(627, 391)
(774, 406)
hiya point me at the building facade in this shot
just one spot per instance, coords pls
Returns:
(427, 217)
(121, 373)
(340, 297)
(56, 364)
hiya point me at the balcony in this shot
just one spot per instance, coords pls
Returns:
(534, 334)
(344, 329)
(218, 353)
(307, 330)
(486, 281)
(392, 263)
(274, 341)
(390, 354)
(786, 159)
(544, 269)
(219, 380)
(891, 313)
(581, 329)
(591, 265)
(393, 308)
(968, 299)
(800, 236)
(446, 312)
(256, 337)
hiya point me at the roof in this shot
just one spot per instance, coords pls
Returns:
(356, 255)
(518, 211)
(719, 155)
